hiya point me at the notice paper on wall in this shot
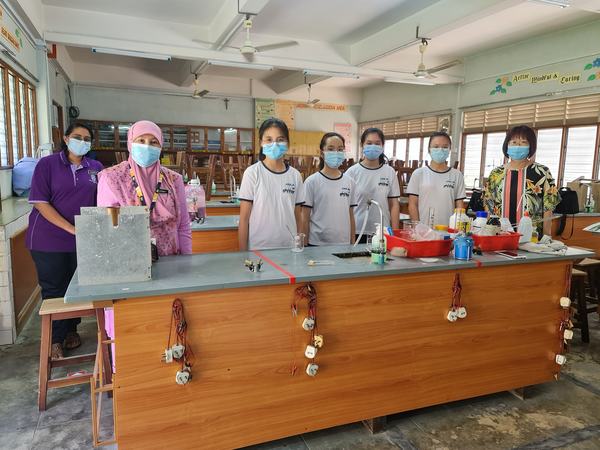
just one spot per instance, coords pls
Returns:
(345, 129)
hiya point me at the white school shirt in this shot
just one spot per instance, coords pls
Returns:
(378, 184)
(437, 190)
(330, 200)
(274, 197)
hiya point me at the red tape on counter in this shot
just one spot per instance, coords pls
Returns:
(291, 276)
(479, 263)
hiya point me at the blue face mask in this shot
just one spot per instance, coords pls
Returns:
(440, 154)
(144, 155)
(518, 152)
(333, 159)
(275, 150)
(78, 147)
(372, 152)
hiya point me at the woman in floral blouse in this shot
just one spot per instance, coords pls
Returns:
(522, 184)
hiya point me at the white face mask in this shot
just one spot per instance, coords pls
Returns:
(78, 146)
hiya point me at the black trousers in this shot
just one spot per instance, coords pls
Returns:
(55, 271)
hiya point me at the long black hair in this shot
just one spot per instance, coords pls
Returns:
(272, 122)
(363, 138)
(324, 141)
(63, 144)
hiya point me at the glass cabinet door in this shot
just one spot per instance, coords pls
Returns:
(246, 141)
(180, 138)
(106, 135)
(214, 139)
(166, 131)
(230, 139)
(197, 139)
(123, 129)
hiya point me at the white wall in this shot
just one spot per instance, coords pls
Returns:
(386, 100)
(128, 105)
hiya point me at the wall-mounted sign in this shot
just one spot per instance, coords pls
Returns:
(263, 109)
(13, 39)
(569, 78)
(286, 110)
(521, 77)
(542, 78)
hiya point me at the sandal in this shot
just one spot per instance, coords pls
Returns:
(56, 351)
(72, 340)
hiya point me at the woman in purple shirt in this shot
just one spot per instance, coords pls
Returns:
(62, 183)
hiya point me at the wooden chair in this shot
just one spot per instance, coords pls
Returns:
(404, 174)
(579, 297)
(180, 163)
(120, 157)
(206, 173)
(57, 309)
(591, 267)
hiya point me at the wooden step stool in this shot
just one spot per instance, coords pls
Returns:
(57, 309)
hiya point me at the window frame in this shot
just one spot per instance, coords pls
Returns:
(30, 133)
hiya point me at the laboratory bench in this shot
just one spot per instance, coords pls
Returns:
(19, 290)
(215, 234)
(579, 238)
(388, 345)
(222, 208)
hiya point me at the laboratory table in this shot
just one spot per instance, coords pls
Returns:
(216, 234)
(388, 346)
(222, 208)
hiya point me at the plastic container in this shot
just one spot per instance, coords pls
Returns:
(501, 242)
(463, 248)
(525, 228)
(479, 222)
(419, 249)
(195, 200)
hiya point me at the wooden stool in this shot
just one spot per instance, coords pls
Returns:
(57, 309)
(578, 295)
(592, 268)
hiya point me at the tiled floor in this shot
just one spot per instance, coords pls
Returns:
(564, 414)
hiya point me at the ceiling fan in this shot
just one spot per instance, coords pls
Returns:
(197, 92)
(314, 101)
(248, 49)
(422, 71)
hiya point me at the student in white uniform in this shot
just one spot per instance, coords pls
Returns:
(436, 188)
(376, 180)
(327, 213)
(271, 193)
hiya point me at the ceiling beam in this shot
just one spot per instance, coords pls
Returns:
(284, 82)
(432, 21)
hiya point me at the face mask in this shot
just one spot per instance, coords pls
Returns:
(372, 152)
(440, 155)
(78, 147)
(275, 150)
(333, 159)
(518, 152)
(144, 155)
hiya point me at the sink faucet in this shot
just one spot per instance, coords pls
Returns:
(374, 202)
(232, 186)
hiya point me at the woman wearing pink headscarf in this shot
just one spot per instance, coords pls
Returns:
(141, 181)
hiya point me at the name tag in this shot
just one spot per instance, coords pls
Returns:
(163, 191)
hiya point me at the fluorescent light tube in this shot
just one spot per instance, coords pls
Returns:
(240, 65)
(559, 3)
(114, 51)
(398, 80)
(324, 73)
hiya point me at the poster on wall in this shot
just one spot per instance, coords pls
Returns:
(286, 111)
(263, 109)
(345, 129)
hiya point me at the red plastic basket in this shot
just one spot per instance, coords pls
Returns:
(418, 249)
(500, 242)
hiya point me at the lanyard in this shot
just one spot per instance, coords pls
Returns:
(140, 194)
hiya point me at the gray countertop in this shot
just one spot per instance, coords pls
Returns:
(221, 204)
(13, 208)
(204, 272)
(215, 223)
